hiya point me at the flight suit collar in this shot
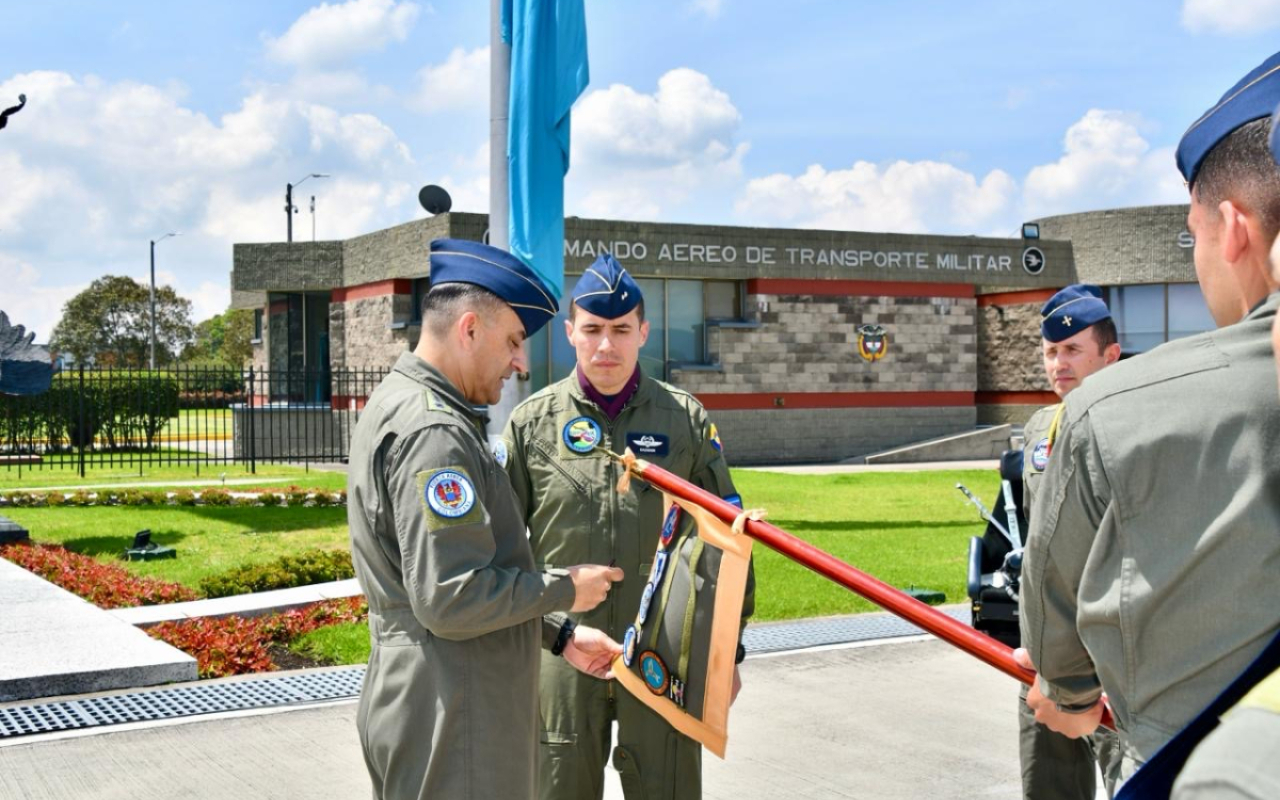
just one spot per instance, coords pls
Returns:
(419, 371)
(1266, 307)
(643, 393)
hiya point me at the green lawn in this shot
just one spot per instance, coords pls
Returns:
(209, 540)
(211, 474)
(198, 423)
(347, 643)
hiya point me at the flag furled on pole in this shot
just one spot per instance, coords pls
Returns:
(548, 41)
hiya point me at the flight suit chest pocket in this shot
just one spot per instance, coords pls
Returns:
(545, 466)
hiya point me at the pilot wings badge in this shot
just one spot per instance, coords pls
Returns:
(873, 342)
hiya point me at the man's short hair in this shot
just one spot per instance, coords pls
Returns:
(446, 302)
(1104, 333)
(1241, 168)
(573, 308)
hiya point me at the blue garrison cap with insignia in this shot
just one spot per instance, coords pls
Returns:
(1072, 310)
(606, 289)
(462, 261)
(1254, 97)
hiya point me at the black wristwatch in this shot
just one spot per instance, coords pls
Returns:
(741, 655)
(562, 638)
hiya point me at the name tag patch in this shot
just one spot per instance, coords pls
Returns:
(648, 444)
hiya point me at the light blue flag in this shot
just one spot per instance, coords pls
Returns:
(548, 41)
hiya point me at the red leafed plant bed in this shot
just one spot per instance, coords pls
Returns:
(104, 585)
(236, 645)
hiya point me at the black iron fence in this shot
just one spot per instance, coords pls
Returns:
(183, 416)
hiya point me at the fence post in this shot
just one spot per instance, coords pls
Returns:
(81, 428)
(253, 465)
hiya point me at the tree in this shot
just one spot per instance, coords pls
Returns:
(110, 324)
(223, 339)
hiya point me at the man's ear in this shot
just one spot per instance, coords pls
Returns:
(466, 328)
(1236, 233)
(1111, 353)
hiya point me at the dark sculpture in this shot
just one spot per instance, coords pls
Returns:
(4, 115)
(25, 368)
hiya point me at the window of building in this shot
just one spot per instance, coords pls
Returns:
(1148, 315)
(257, 325)
(420, 288)
(677, 311)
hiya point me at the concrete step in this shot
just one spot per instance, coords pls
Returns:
(54, 643)
(981, 444)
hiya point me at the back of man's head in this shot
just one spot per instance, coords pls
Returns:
(1240, 168)
(446, 302)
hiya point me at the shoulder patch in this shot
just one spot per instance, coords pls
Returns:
(500, 452)
(1040, 455)
(715, 438)
(449, 496)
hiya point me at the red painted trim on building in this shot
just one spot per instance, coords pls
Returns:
(819, 288)
(344, 294)
(278, 307)
(725, 401)
(342, 402)
(1015, 298)
(1016, 398)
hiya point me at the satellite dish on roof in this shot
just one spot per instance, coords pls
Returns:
(434, 199)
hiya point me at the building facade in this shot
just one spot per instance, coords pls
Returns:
(803, 345)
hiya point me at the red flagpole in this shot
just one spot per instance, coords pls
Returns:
(950, 630)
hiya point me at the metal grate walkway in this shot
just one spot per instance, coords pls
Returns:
(316, 686)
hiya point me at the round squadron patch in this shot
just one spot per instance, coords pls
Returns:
(659, 567)
(499, 449)
(450, 494)
(629, 645)
(645, 600)
(581, 435)
(1040, 455)
(669, 526)
(654, 672)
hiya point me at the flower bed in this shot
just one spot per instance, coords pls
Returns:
(292, 496)
(237, 645)
(104, 585)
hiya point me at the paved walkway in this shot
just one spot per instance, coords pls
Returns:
(911, 719)
(832, 469)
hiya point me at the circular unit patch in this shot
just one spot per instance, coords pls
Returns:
(499, 449)
(1040, 455)
(581, 435)
(629, 645)
(654, 672)
(659, 567)
(669, 526)
(450, 494)
(645, 600)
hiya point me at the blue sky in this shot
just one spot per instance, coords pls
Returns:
(148, 117)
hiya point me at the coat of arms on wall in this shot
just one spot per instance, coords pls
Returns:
(873, 342)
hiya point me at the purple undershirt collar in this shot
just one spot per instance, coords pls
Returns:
(611, 405)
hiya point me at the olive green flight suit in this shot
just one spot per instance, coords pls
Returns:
(1054, 767)
(1152, 569)
(576, 516)
(449, 704)
(1238, 761)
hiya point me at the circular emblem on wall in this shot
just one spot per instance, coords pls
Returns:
(1040, 455)
(1033, 260)
(669, 526)
(450, 494)
(654, 672)
(629, 645)
(581, 435)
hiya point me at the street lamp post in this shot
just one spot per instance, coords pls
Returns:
(153, 295)
(288, 199)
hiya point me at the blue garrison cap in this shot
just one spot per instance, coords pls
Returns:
(606, 289)
(462, 261)
(1254, 97)
(1275, 136)
(1072, 310)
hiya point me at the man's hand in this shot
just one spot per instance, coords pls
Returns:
(591, 583)
(1073, 726)
(737, 685)
(591, 651)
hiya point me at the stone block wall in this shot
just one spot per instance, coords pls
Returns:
(361, 332)
(1009, 358)
(781, 436)
(810, 344)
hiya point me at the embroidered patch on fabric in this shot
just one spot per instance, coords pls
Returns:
(648, 444)
(645, 600)
(450, 494)
(581, 435)
(1040, 455)
(654, 672)
(733, 499)
(715, 438)
(669, 526)
(500, 452)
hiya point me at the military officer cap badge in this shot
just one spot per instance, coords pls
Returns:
(606, 289)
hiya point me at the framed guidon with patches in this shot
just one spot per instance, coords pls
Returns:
(678, 654)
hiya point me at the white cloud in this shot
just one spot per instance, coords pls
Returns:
(460, 82)
(639, 155)
(711, 8)
(37, 308)
(1232, 17)
(333, 34)
(1106, 162)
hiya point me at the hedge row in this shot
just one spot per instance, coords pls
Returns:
(236, 645)
(304, 569)
(116, 410)
(183, 497)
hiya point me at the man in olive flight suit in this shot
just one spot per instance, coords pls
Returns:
(1238, 760)
(566, 486)
(456, 605)
(1078, 338)
(1151, 571)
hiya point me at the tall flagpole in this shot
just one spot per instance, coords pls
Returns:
(514, 390)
